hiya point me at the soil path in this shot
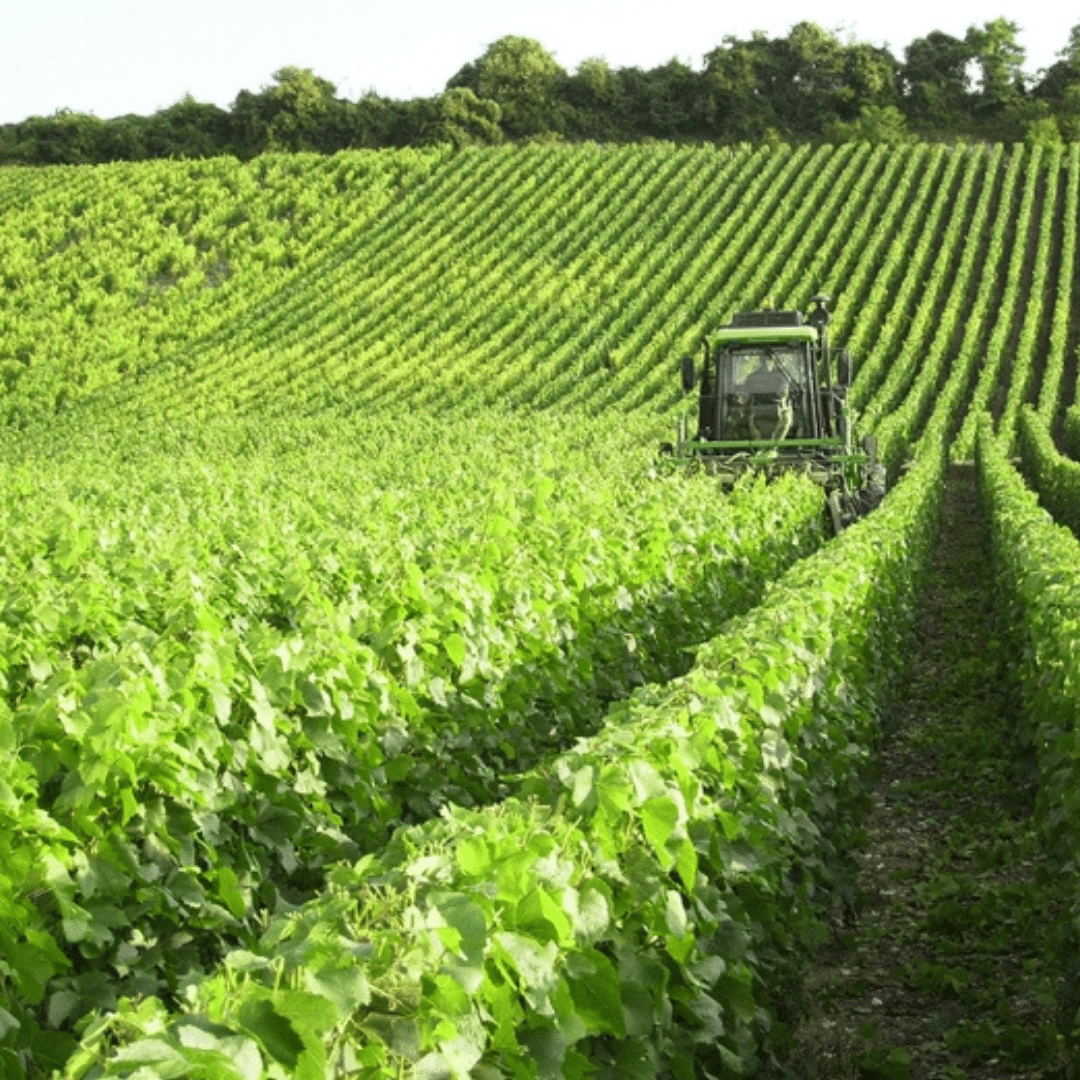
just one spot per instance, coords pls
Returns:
(940, 970)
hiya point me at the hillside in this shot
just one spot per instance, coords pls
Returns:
(374, 701)
(533, 277)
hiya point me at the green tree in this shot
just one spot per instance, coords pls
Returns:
(65, 138)
(665, 102)
(375, 121)
(875, 124)
(188, 129)
(1000, 57)
(595, 83)
(871, 79)
(596, 107)
(738, 79)
(935, 85)
(813, 89)
(798, 87)
(460, 118)
(1003, 107)
(298, 112)
(1059, 88)
(524, 79)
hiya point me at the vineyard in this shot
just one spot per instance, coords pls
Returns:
(375, 703)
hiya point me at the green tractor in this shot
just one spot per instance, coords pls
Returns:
(772, 400)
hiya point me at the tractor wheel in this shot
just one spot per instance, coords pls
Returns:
(869, 445)
(874, 488)
(836, 512)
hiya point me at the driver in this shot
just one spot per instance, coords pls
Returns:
(766, 378)
(765, 397)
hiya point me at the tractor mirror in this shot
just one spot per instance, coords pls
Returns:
(689, 375)
(843, 369)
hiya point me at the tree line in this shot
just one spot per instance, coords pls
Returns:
(808, 86)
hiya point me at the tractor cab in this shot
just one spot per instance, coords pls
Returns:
(767, 380)
(761, 389)
(764, 393)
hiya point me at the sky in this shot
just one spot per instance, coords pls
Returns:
(111, 57)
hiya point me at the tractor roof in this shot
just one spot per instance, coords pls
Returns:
(753, 335)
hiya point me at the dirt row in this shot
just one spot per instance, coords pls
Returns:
(943, 967)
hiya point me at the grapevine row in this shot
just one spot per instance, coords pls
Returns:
(226, 672)
(566, 924)
(1009, 306)
(887, 329)
(1037, 575)
(1030, 318)
(539, 277)
(900, 428)
(1050, 392)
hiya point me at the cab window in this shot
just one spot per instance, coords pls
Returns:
(764, 393)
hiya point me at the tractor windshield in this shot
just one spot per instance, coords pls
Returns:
(764, 393)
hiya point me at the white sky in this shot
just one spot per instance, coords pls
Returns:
(118, 56)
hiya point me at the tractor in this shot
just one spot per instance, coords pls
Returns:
(771, 402)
